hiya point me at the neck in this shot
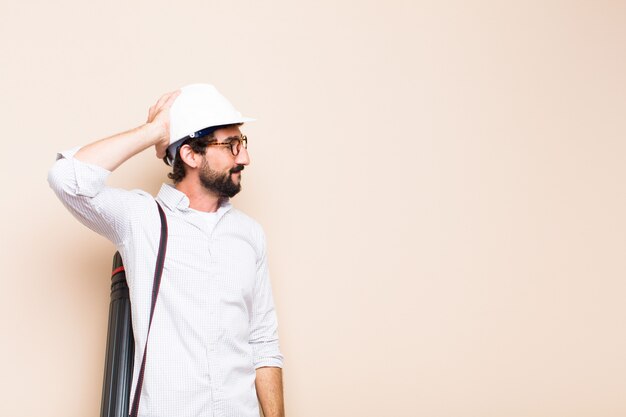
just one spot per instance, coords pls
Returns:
(199, 197)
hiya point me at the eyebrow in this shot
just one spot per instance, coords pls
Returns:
(231, 138)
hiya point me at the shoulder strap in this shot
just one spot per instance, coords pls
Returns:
(158, 271)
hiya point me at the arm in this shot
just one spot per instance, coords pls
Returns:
(78, 176)
(267, 357)
(111, 152)
(269, 389)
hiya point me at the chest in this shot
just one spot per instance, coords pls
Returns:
(220, 259)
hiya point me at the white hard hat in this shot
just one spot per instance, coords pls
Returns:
(199, 107)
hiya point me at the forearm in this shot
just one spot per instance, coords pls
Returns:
(269, 389)
(111, 152)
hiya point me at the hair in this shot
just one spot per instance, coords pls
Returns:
(198, 145)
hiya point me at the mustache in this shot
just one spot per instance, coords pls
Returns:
(238, 168)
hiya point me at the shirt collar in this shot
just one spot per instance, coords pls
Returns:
(177, 200)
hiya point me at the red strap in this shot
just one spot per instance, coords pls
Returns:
(117, 270)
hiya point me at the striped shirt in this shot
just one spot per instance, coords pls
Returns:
(214, 322)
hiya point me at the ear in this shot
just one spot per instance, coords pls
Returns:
(189, 157)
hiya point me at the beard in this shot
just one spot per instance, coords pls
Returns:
(219, 183)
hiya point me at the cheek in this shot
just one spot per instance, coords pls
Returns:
(219, 161)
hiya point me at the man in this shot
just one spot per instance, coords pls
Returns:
(213, 347)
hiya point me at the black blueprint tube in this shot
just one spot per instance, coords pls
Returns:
(120, 348)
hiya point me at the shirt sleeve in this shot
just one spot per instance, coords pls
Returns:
(264, 323)
(81, 188)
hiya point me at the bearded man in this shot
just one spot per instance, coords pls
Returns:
(213, 342)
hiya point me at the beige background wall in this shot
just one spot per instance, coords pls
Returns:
(442, 185)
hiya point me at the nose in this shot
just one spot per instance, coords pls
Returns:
(243, 158)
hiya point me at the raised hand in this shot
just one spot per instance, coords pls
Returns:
(159, 116)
